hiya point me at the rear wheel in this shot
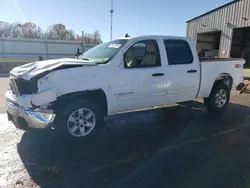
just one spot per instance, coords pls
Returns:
(218, 100)
(80, 120)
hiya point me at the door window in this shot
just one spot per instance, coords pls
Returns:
(142, 54)
(178, 52)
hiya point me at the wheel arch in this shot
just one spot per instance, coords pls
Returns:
(97, 95)
(224, 78)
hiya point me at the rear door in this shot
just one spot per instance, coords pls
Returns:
(183, 70)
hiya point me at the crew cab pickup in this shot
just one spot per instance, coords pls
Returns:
(74, 95)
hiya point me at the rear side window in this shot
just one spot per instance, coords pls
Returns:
(178, 52)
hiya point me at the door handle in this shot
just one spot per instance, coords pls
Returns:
(158, 74)
(191, 71)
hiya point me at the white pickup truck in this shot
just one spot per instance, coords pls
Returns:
(74, 95)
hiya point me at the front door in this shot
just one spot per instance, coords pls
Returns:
(141, 83)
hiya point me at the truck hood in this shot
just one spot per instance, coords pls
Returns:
(35, 69)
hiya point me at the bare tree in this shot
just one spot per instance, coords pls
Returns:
(71, 34)
(54, 32)
(49, 33)
(78, 37)
(39, 33)
(29, 30)
(5, 30)
(97, 37)
(16, 30)
(59, 31)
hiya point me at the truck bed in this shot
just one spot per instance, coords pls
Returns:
(216, 66)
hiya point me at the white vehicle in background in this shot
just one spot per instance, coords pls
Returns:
(74, 95)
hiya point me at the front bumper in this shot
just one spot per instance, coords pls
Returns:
(24, 118)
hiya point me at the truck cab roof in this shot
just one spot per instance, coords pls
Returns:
(156, 37)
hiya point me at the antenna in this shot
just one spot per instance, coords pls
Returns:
(111, 19)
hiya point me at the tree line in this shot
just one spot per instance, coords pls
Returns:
(54, 32)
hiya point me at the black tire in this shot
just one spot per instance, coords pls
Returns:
(62, 117)
(210, 102)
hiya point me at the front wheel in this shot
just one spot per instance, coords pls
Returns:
(79, 120)
(218, 100)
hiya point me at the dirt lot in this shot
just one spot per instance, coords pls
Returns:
(179, 147)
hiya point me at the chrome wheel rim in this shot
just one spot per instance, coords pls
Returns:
(221, 98)
(81, 122)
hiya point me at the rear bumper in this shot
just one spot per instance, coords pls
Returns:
(24, 118)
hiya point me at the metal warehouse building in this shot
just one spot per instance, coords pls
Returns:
(223, 32)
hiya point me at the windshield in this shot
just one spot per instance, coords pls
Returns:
(102, 53)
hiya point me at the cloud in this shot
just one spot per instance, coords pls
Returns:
(19, 10)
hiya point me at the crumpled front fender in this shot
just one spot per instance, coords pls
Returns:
(46, 91)
(44, 97)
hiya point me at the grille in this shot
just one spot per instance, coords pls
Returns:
(20, 86)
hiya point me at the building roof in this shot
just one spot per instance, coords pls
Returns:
(223, 6)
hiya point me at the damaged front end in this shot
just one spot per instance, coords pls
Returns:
(21, 86)
(28, 105)
(24, 117)
(32, 91)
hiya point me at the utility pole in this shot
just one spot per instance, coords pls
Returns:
(111, 19)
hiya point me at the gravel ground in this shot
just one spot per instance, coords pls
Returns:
(179, 147)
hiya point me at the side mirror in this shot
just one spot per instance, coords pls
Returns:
(40, 58)
(127, 35)
(77, 53)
